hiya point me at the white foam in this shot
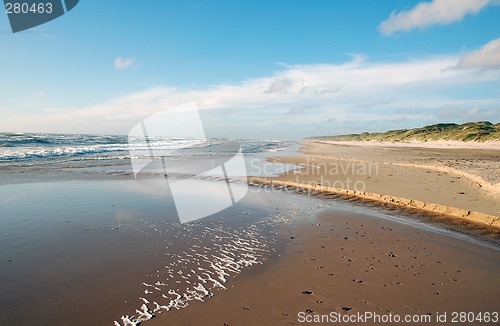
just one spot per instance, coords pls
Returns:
(230, 252)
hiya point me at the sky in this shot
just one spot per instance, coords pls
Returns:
(263, 69)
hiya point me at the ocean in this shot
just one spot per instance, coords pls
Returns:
(26, 157)
(36, 148)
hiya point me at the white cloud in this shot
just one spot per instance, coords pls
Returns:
(487, 57)
(376, 95)
(124, 63)
(427, 14)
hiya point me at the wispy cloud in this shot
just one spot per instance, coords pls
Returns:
(436, 12)
(381, 102)
(302, 100)
(299, 108)
(487, 57)
(449, 113)
(124, 63)
(279, 86)
(39, 94)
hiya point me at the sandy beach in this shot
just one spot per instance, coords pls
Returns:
(465, 179)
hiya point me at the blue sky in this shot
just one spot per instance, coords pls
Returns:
(263, 69)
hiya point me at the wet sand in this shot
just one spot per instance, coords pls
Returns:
(353, 263)
(114, 252)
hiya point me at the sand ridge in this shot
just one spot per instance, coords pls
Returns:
(477, 217)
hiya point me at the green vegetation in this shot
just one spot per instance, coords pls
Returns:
(471, 131)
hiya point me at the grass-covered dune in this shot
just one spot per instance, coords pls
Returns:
(472, 131)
